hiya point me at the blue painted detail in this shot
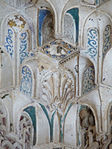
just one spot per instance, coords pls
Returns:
(49, 121)
(9, 43)
(62, 120)
(31, 111)
(69, 52)
(69, 46)
(54, 56)
(75, 14)
(63, 43)
(32, 54)
(53, 43)
(42, 15)
(88, 80)
(92, 42)
(26, 81)
(47, 46)
(23, 51)
(107, 39)
(47, 52)
(97, 2)
(82, 107)
(62, 56)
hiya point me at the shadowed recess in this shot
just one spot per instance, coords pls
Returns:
(41, 17)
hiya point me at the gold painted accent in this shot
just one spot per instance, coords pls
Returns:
(12, 22)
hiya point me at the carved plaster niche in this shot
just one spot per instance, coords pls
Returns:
(92, 3)
(88, 128)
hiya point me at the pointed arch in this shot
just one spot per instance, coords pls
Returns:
(17, 34)
(95, 16)
(17, 37)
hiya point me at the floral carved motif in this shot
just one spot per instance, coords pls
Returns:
(58, 90)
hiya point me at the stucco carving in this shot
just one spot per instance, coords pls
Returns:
(55, 74)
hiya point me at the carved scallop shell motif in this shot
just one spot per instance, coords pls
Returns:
(58, 89)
